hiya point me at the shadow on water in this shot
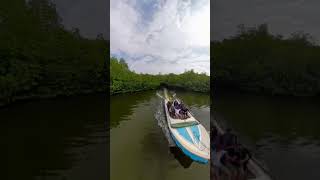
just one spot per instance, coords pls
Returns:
(184, 160)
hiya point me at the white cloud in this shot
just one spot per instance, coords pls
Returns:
(176, 38)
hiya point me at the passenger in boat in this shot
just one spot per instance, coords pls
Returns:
(178, 110)
(235, 158)
(239, 159)
(184, 111)
(221, 161)
(177, 113)
(176, 104)
(181, 112)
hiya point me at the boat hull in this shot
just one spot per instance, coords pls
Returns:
(190, 154)
(194, 141)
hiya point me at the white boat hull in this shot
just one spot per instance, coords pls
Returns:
(194, 140)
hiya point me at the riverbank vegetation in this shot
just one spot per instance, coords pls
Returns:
(124, 80)
(256, 61)
(38, 57)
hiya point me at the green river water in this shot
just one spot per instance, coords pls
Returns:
(65, 138)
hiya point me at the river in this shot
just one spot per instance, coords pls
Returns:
(139, 147)
(282, 132)
(65, 138)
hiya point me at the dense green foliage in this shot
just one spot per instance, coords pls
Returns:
(125, 80)
(38, 57)
(256, 61)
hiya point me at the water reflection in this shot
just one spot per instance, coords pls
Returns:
(122, 106)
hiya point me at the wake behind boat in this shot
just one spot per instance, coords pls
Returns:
(187, 132)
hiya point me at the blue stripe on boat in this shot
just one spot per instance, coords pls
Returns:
(196, 133)
(189, 154)
(184, 133)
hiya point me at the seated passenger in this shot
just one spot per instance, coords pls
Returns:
(184, 107)
(184, 111)
(240, 160)
(177, 113)
(181, 112)
(220, 162)
(176, 104)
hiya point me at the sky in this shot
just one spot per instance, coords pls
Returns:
(282, 16)
(161, 36)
